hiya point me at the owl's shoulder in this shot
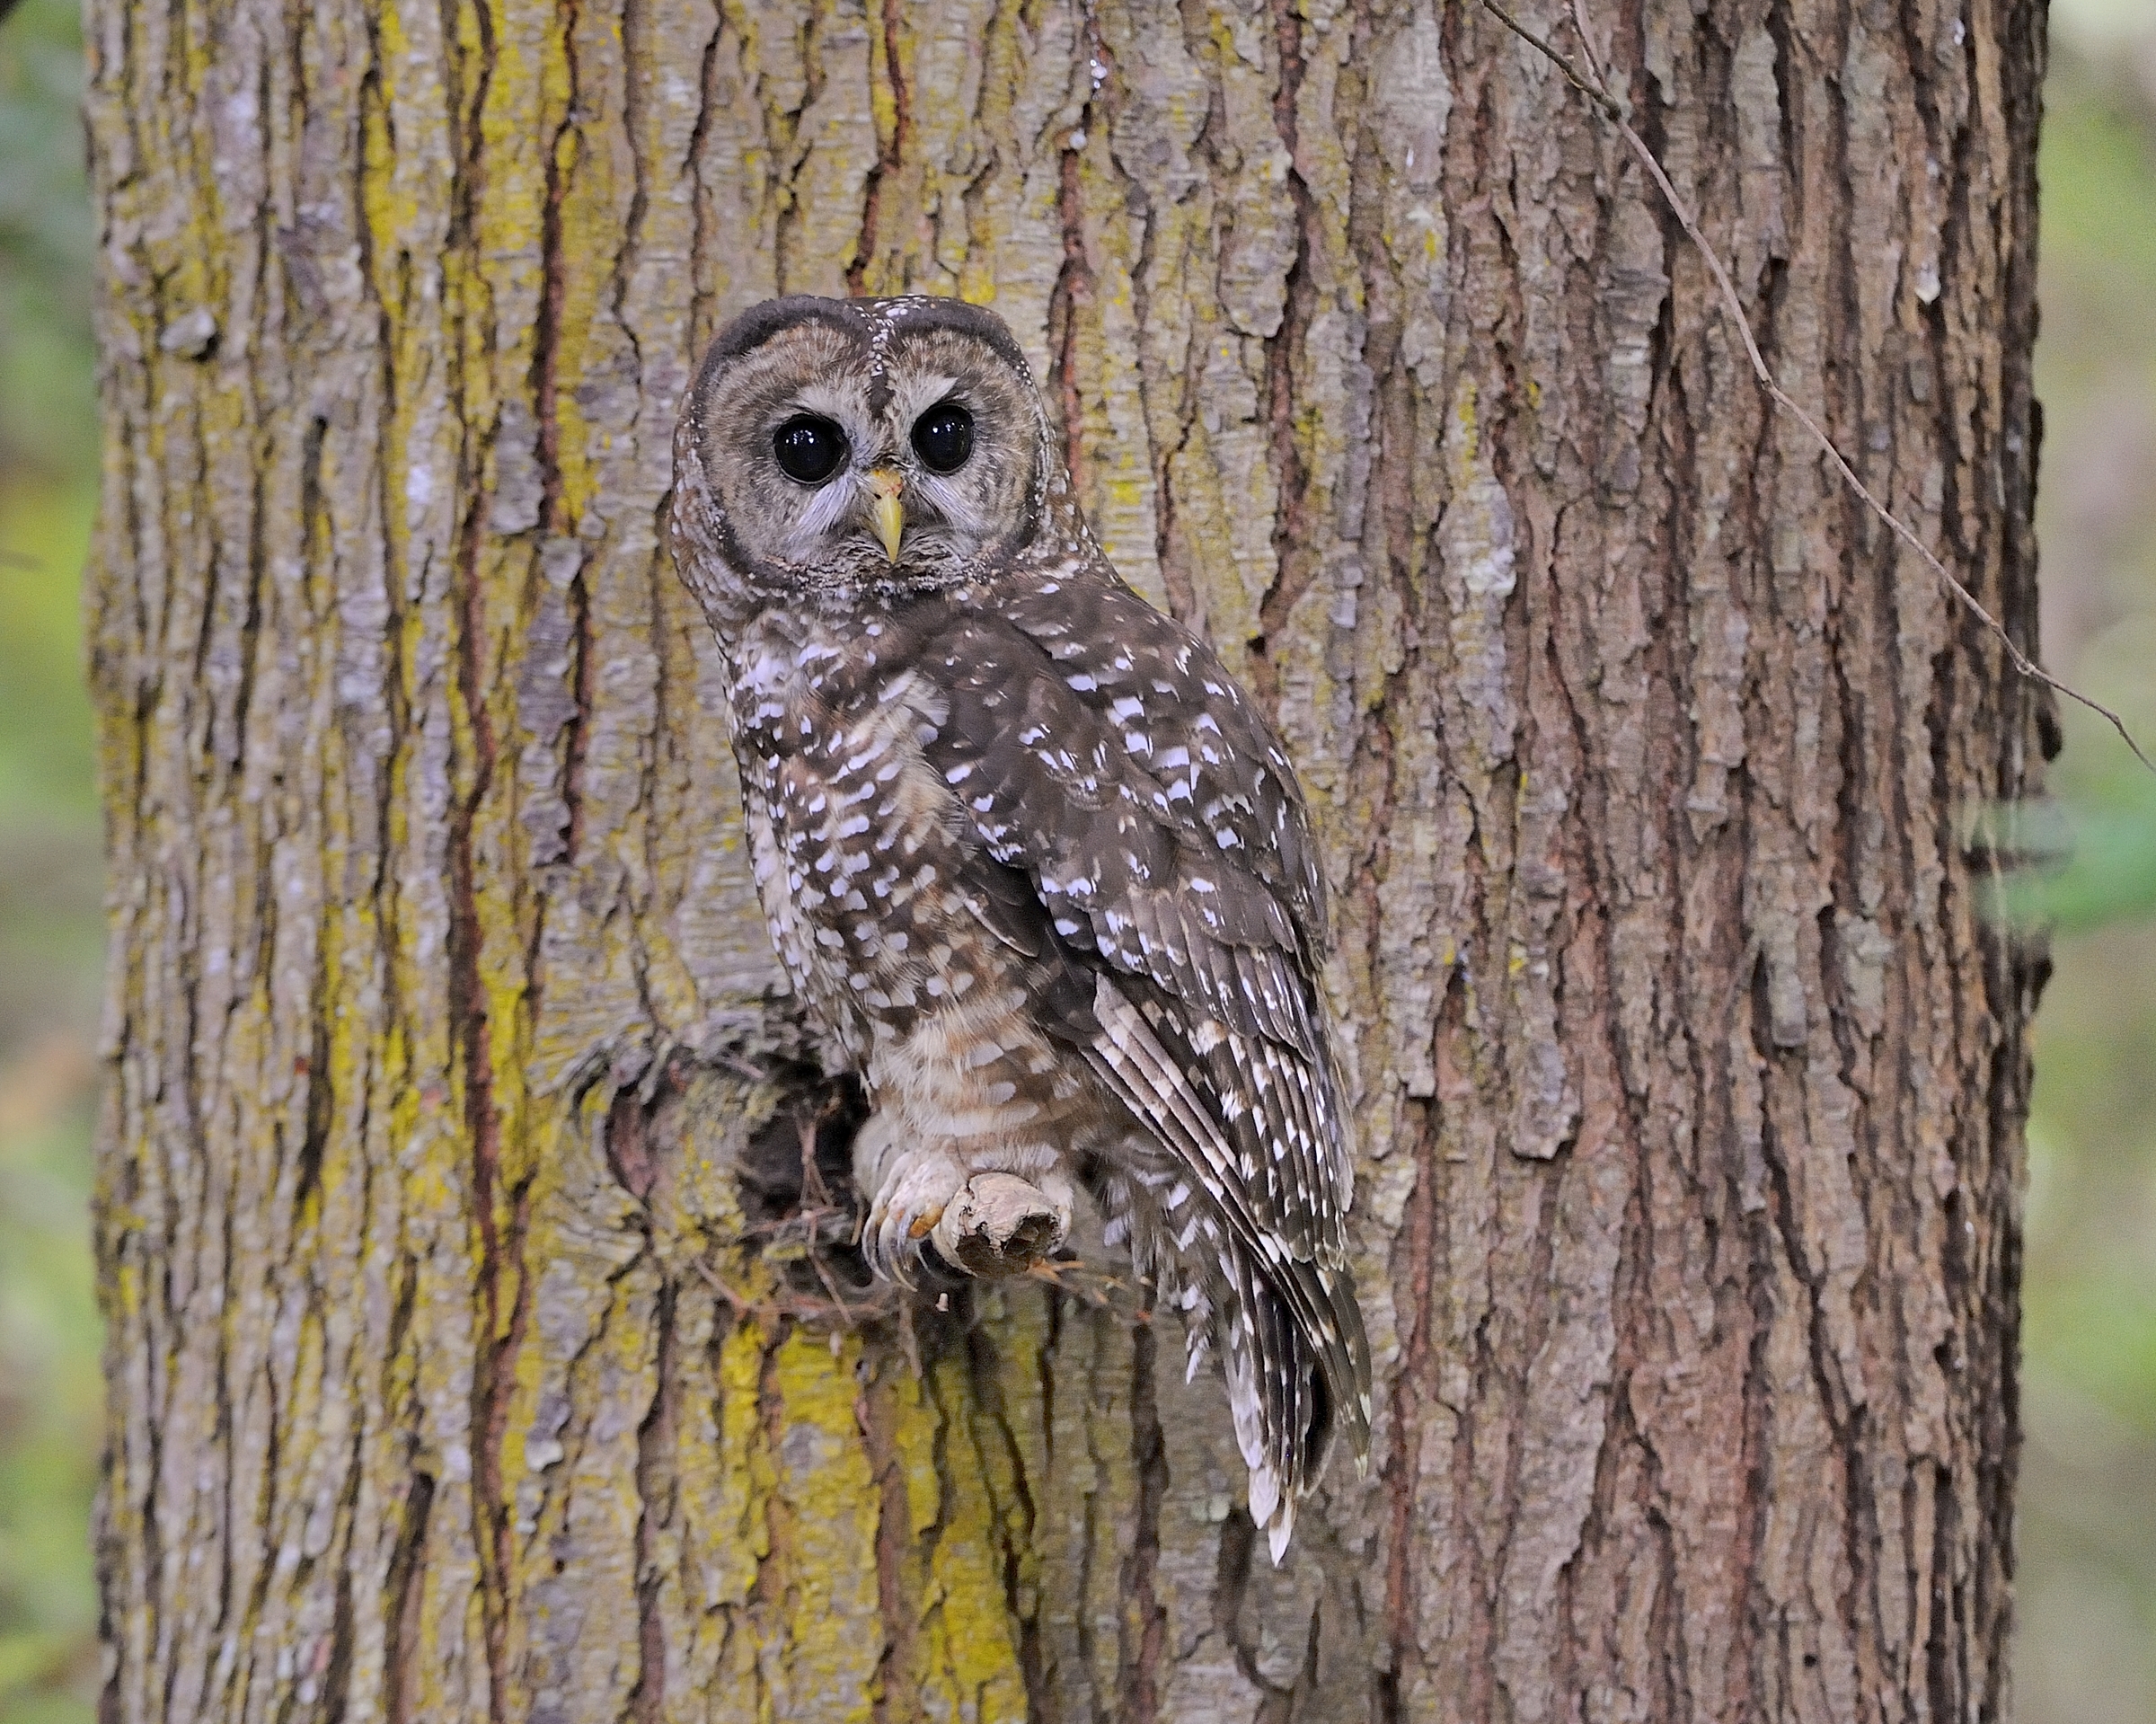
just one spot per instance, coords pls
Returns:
(1173, 725)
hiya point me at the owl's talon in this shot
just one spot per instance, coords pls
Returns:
(886, 1244)
(905, 1212)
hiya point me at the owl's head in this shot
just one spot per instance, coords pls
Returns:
(831, 447)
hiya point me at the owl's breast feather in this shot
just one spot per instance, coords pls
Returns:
(864, 854)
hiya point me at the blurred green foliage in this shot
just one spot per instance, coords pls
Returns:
(50, 933)
(50, 943)
(2088, 1580)
(47, 415)
(2087, 1650)
(2096, 375)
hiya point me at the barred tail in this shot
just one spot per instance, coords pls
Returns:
(1290, 1341)
(1239, 1222)
(1298, 1367)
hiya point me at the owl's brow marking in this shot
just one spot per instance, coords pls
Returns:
(883, 323)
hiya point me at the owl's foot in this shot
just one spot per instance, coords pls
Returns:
(990, 1224)
(1000, 1226)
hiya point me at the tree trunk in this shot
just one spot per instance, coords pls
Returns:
(474, 1347)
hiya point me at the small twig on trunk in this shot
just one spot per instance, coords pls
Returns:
(1592, 84)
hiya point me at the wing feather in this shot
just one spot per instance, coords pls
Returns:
(1103, 754)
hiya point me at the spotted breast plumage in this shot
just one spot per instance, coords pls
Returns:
(1038, 869)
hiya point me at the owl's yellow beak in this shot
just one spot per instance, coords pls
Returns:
(887, 483)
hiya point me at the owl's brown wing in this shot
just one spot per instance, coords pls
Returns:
(1104, 751)
(1177, 736)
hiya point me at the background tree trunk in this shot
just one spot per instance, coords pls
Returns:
(463, 1362)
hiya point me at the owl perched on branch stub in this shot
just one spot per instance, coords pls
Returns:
(1038, 869)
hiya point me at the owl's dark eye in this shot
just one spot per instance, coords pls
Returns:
(943, 436)
(809, 449)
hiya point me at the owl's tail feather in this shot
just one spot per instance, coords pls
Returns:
(1276, 1303)
(1292, 1380)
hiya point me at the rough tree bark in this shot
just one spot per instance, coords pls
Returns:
(465, 1359)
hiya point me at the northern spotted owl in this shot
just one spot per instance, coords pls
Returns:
(1038, 869)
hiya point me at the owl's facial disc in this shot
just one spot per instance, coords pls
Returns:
(866, 443)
